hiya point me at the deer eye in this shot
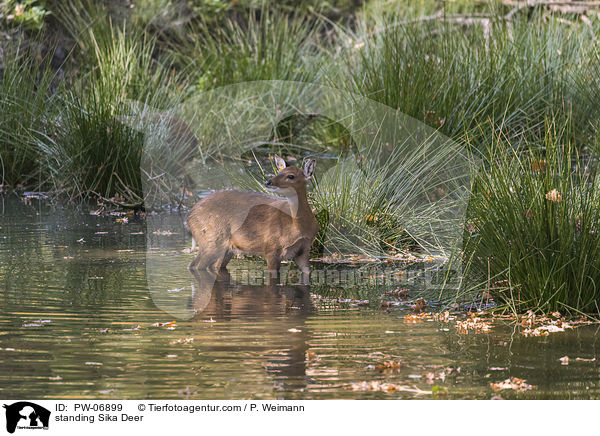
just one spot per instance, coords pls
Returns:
(291, 177)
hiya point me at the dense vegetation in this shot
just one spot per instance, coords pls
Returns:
(516, 85)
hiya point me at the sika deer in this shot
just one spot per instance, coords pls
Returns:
(228, 222)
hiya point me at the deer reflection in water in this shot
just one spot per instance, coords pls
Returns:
(285, 308)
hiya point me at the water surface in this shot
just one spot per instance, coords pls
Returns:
(76, 321)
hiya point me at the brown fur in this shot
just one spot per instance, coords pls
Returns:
(228, 222)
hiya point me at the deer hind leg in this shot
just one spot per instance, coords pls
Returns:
(209, 258)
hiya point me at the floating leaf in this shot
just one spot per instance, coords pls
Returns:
(514, 383)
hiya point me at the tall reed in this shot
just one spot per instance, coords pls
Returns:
(533, 235)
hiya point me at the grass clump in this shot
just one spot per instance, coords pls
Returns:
(533, 236)
(25, 92)
(454, 77)
(95, 151)
(264, 44)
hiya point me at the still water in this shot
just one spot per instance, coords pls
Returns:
(77, 321)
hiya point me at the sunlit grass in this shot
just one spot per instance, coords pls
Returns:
(533, 236)
(264, 44)
(455, 77)
(94, 152)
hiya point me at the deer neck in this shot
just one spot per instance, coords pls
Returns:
(298, 203)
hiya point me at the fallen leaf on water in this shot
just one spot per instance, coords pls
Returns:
(443, 316)
(438, 390)
(417, 317)
(419, 305)
(353, 302)
(400, 293)
(183, 341)
(373, 386)
(474, 324)
(564, 360)
(311, 355)
(514, 383)
(187, 391)
(163, 233)
(386, 387)
(431, 376)
(545, 330)
(387, 365)
(165, 324)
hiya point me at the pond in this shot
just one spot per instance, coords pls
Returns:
(77, 321)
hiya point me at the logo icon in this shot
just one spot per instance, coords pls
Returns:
(26, 415)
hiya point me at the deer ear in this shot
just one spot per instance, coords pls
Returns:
(309, 168)
(279, 163)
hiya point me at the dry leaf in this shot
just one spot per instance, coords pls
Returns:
(514, 383)
(554, 196)
(419, 305)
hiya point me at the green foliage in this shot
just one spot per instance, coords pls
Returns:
(455, 78)
(490, 84)
(264, 45)
(25, 91)
(27, 13)
(96, 151)
(532, 234)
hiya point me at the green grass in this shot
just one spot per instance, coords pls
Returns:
(533, 236)
(492, 88)
(25, 91)
(263, 44)
(455, 77)
(94, 151)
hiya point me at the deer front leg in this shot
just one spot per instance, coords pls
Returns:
(302, 260)
(273, 265)
(195, 264)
